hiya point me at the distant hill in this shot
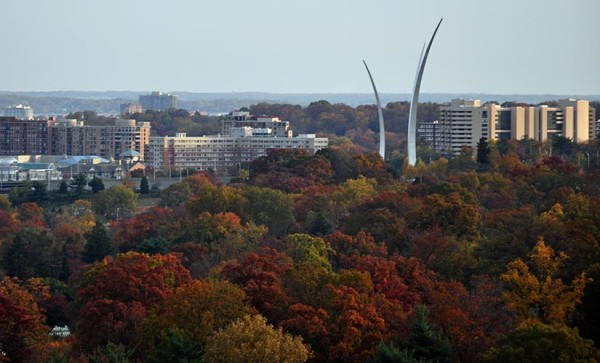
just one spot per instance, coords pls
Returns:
(107, 102)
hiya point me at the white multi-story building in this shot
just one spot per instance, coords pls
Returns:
(19, 112)
(273, 125)
(239, 144)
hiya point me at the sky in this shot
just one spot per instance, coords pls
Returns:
(300, 46)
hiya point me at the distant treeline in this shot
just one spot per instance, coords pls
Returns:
(107, 103)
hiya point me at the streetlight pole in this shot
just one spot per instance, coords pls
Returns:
(588, 159)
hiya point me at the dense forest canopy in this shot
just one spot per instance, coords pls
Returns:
(340, 256)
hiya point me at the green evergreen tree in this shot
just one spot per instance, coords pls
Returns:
(65, 273)
(78, 183)
(16, 258)
(179, 349)
(63, 188)
(389, 353)
(98, 244)
(425, 340)
(424, 344)
(483, 151)
(114, 353)
(144, 186)
(39, 191)
(96, 184)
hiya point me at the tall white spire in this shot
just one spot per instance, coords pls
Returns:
(379, 114)
(412, 115)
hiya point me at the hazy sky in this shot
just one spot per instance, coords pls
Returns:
(297, 46)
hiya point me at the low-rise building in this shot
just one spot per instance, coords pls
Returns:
(38, 171)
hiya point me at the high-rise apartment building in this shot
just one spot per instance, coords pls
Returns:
(464, 122)
(72, 137)
(66, 137)
(23, 137)
(158, 101)
(19, 112)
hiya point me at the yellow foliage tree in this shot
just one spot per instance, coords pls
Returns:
(535, 293)
(251, 339)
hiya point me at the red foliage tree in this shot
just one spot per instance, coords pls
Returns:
(471, 320)
(22, 330)
(128, 234)
(116, 295)
(31, 214)
(260, 276)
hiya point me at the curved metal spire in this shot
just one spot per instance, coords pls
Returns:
(412, 115)
(379, 114)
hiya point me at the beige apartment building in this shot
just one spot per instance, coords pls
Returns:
(465, 122)
(72, 137)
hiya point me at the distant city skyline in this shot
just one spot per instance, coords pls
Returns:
(512, 47)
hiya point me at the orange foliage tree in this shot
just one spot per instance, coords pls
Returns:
(536, 293)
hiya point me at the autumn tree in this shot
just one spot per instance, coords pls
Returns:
(213, 199)
(290, 170)
(22, 324)
(335, 207)
(384, 216)
(224, 235)
(198, 181)
(32, 215)
(128, 234)
(251, 339)
(470, 319)
(543, 343)
(179, 328)
(346, 328)
(508, 234)
(116, 295)
(453, 214)
(307, 250)
(271, 208)
(261, 277)
(175, 195)
(536, 293)
(115, 202)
